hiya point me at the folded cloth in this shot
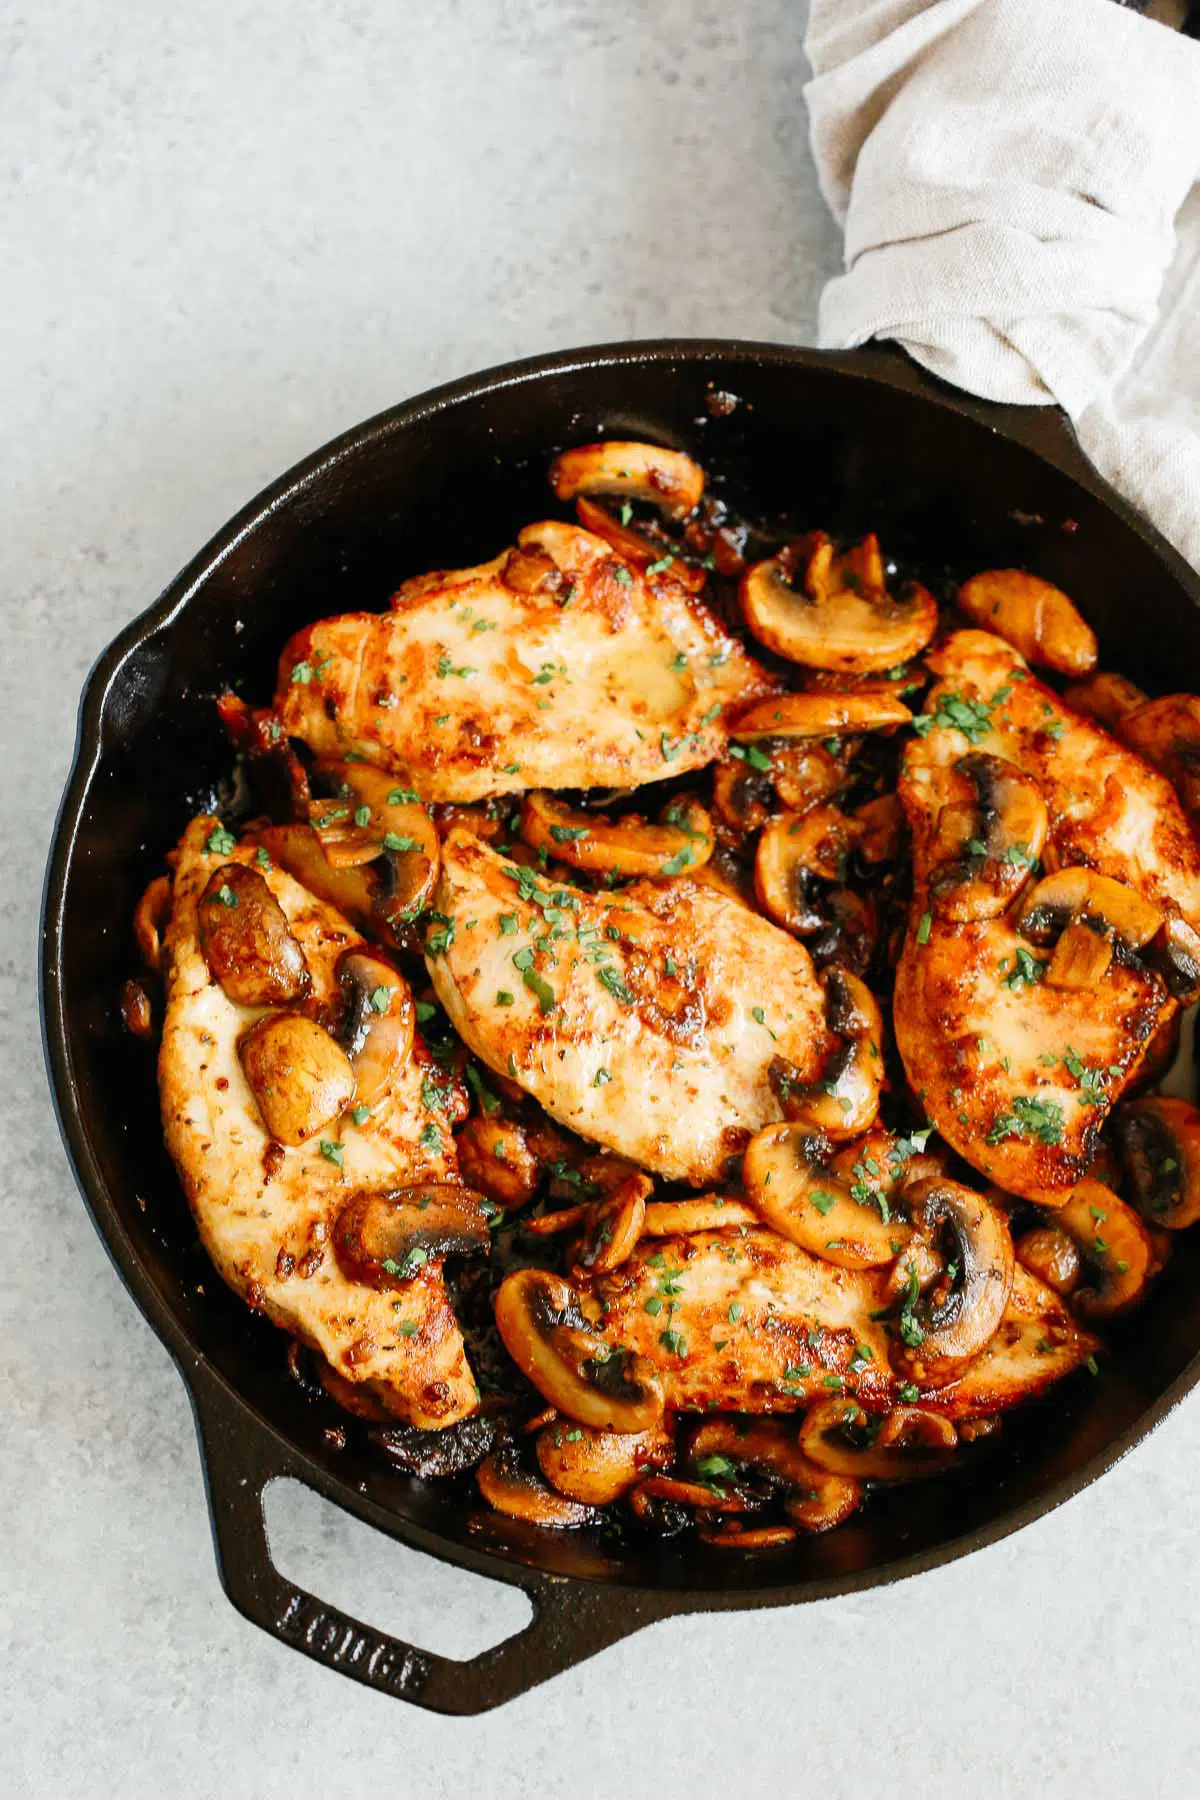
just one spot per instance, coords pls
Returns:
(1009, 175)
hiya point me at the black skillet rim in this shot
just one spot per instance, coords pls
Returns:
(1040, 430)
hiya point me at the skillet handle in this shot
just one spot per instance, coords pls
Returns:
(571, 1620)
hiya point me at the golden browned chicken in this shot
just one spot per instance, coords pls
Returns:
(267, 1210)
(647, 1020)
(1108, 808)
(745, 1321)
(1022, 1008)
(555, 665)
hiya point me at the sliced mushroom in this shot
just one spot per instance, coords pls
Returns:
(436, 1455)
(1113, 1241)
(516, 1491)
(1076, 893)
(353, 890)
(1175, 953)
(614, 1226)
(1160, 1147)
(150, 920)
(795, 851)
(1052, 1255)
(654, 552)
(698, 1495)
(543, 1329)
(905, 1444)
(137, 1011)
(817, 1498)
(301, 1079)
(845, 1102)
(882, 828)
(794, 1192)
(379, 1022)
(844, 618)
(748, 789)
(711, 1212)
(961, 1311)
(1167, 733)
(848, 933)
(556, 1224)
(985, 848)
(1032, 615)
(731, 1534)
(819, 715)
(388, 1236)
(495, 1157)
(666, 479)
(628, 846)
(1105, 698)
(597, 1467)
(247, 941)
(365, 813)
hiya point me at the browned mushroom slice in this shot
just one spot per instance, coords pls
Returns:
(379, 1023)
(666, 479)
(614, 1226)
(794, 852)
(149, 921)
(588, 1379)
(1105, 698)
(649, 1494)
(882, 828)
(711, 1212)
(300, 1078)
(655, 553)
(1160, 1146)
(629, 846)
(1175, 953)
(387, 1237)
(750, 786)
(817, 1498)
(731, 1534)
(845, 1102)
(1113, 1241)
(819, 715)
(556, 1224)
(247, 941)
(844, 617)
(1052, 1255)
(516, 1491)
(368, 815)
(137, 1010)
(985, 847)
(905, 1444)
(1166, 732)
(597, 1467)
(962, 1309)
(1033, 616)
(297, 848)
(1089, 913)
(796, 1194)
(495, 1157)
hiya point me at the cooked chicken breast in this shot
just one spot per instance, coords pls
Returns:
(265, 1212)
(646, 1020)
(742, 1320)
(1019, 1075)
(1109, 809)
(554, 665)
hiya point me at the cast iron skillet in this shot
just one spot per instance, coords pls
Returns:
(845, 442)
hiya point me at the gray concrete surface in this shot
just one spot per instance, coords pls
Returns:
(226, 232)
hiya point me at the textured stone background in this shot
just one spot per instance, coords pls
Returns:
(227, 232)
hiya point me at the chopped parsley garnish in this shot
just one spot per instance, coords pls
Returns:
(408, 1266)
(600, 1077)
(568, 834)
(402, 797)
(657, 568)
(924, 928)
(425, 1012)
(682, 859)
(823, 1200)
(430, 1138)
(540, 988)
(331, 1151)
(503, 997)
(1029, 1118)
(608, 978)
(758, 759)
(381, 997)
(954, 712)
(910, 1327)
(219, 842)
(621, 574)
(360, 1114)
(226, 895)
(446, 667)
(1027, 971)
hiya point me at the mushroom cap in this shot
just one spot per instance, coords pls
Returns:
(386, 1237)
(539, 1318)
(1159, 1137)
(800, 1197)
(247, 941)
(959, 1316)
(301, 1079)
(905, 1444)
(682, 843)
(664, 478)
(844, 618)
(1032, 615)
